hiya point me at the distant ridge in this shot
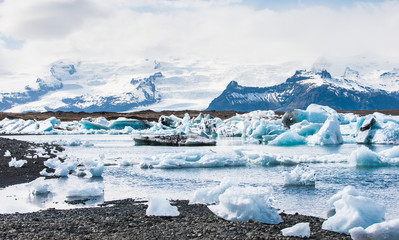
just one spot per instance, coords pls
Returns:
(302, 89)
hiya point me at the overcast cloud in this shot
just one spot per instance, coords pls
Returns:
(230, 31)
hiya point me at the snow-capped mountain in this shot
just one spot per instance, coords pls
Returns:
(182, 84)
(306, 87)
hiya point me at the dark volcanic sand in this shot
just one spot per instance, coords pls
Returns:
(126, 219)
(20, 149)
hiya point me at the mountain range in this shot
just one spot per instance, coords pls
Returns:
(90, 87)
(306, 87)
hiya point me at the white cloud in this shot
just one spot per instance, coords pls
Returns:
(124, 30)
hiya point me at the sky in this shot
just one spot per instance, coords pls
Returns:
(33, 34)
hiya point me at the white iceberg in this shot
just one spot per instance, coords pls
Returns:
(352, 209)
(298, 230)
(300, 176)
(388, 230)
(288, 138)
(92, 189)
(40, 186)
(96, 168)
(242, 204)
(364, 157)
(329, 133)
(211, 195)
(161, 207)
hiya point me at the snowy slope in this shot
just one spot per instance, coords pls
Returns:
(304, 88)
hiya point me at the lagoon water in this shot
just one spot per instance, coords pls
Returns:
(379, 183)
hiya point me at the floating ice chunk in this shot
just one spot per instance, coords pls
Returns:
(390, 153)
(300, 176)
(40, 186)
(388, 230)
(364, 157)
(306, 128)
(161, 207)
(74, 142)
(242, 204)
(298, 230)
(48, 125)
(329, 133)
(263, 159)
(353, 210)
(125, 162)
(96, 168)
(211, 195)
(16, 163)
(86, 190)
(388, 134)
(7, 154)
(288, 138)
(319, 113)
(121, 123)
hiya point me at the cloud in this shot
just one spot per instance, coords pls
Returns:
(230, 31)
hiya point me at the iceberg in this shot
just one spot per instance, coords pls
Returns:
(298, 230)
(388, 230)
(353, 209)
(364, 157)
(211, 195)
(161, 207)
(40, 187)
(288, 138)
(242, 204)
(329, 133)
(300, 176)
(119, 124)
(86, 190)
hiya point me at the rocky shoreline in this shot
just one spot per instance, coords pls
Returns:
(126, 219)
